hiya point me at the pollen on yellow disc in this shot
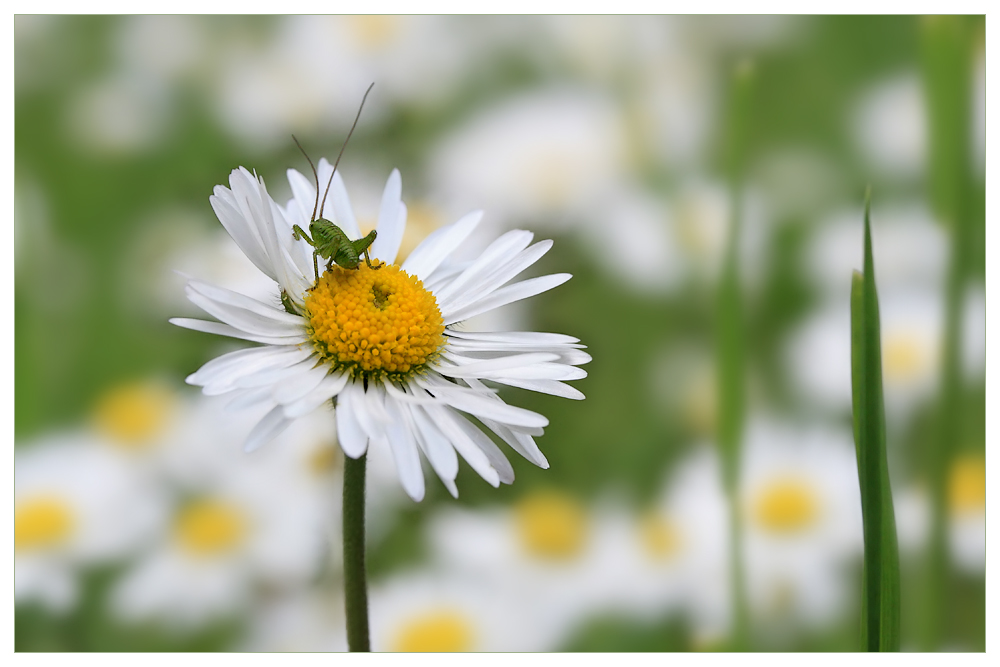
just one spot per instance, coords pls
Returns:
(437, 632)
(786, 505)
(661, 538)
(374, 321)
(210, 527)
(133, 414)
(967, 485)
(41, 522)
(905, 357)
(551, 525)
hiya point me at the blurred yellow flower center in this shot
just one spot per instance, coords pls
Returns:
(786, 506)
(551, 525)
(323, 459)
(660, 537)
(372, 32)
(441, 631)
(210, 527)
(967, 485)
(374, 322)
(905, 357)
(41, 522)
(133, 414)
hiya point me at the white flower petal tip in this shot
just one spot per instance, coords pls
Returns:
(423, 412)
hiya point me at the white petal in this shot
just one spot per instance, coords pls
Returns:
(472, 368)
(294, 388)
(516, 338)
(272, 376)
(239, 229)
(436, 446)
(521, 443)
(444, 418)
(352, 438)
(480, 404)
(338, 205)
(499, 275)
(273, 423)
(553, 387)
(327, 389)
(234, 364)
(303, 196)
(227, 297)
(221, 329)
(244, 320)
(391, 221)
(506, 246)
(508, 294)
(493, 453)
(440, 243)
(404, 453)
(246, 398)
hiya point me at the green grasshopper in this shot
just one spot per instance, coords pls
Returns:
(327, 239)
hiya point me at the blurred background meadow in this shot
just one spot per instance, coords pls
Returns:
(703, 179)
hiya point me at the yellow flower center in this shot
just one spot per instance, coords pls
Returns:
(786, 506)
(374, 322)
(210, 527)
(41, 522)
(906, 357)
(439, 631)
(967, 485)
(661, 538)
(551, 525)
(133, 414)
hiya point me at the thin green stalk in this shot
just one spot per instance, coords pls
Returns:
(730, 353)
(355, 577)
(948, 76)
(880, 608)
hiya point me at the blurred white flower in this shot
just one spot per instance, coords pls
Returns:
(909, 247)
(251, 525)
(802, 517)
(308, 76)
(799, 182)
(75, 504)
(967, 512)
(123, 114)
(629, 235)
(563, 563)
(819, 353)
(544, 157)
(683, 386)
(694, 505)
(164, 47)
(890, 126)
(311, 622)
(449, 611)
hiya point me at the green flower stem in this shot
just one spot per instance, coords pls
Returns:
(880, 605)
(730, 353)
(355, 577)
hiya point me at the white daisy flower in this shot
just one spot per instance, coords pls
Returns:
(802, 513)
(967, 512)
(255, 525)
(572, 561)
(383, 339)
(439, 611)
(75, 504)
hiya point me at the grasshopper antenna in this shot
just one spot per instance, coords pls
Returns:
(315, 177)
(362, 106)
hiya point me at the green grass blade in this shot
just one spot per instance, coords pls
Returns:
(880, 588)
